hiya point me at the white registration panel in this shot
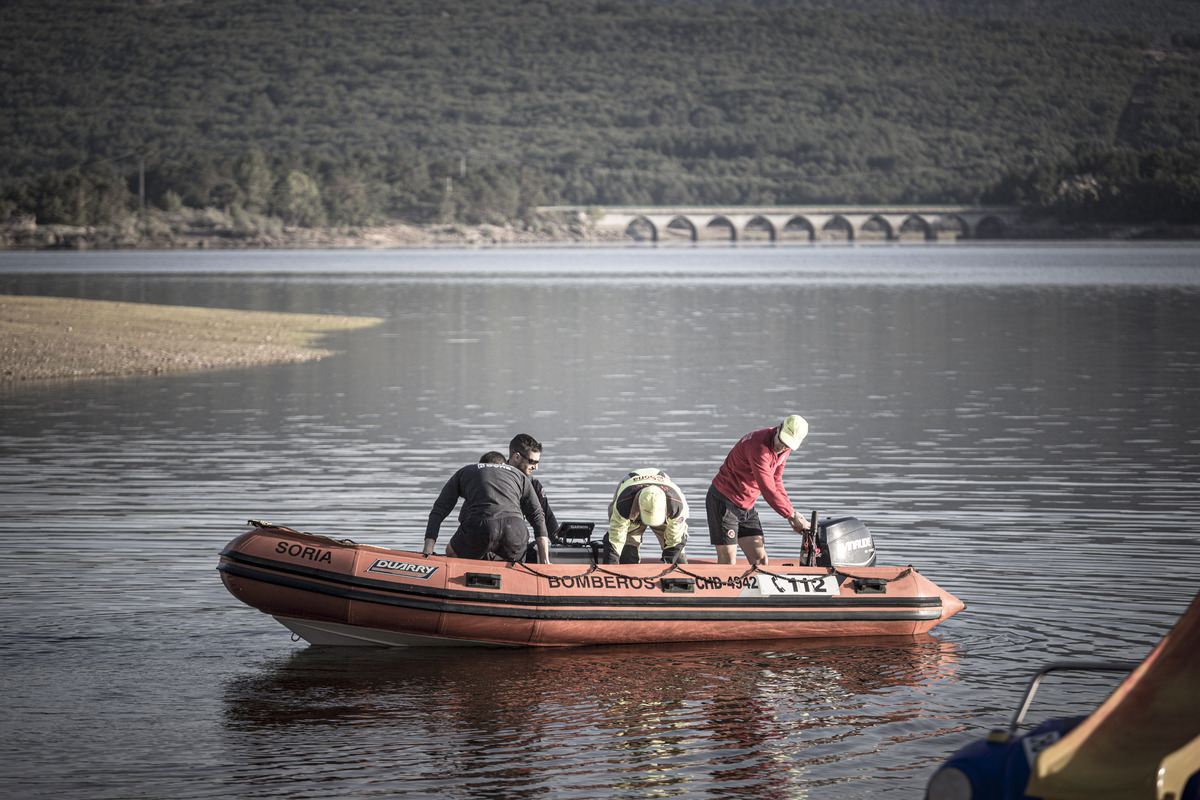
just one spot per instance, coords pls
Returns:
(812, 585)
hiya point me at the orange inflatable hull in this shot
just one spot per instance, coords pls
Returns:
(336, 592)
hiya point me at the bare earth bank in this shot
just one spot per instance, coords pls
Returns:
(50, 337)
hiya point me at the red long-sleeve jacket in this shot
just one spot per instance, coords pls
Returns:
(751, 469)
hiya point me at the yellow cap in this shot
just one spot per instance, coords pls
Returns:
(793, 430)
(653, 503)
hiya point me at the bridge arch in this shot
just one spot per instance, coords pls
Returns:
(873, 224)
(759, 227)
(989, 227)
(954, 225)
(915, 225)
(797, 227)
(720, 227)
(837, 227)
(683, 226)
(640, 229)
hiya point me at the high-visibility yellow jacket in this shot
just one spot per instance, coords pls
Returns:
(673, 529)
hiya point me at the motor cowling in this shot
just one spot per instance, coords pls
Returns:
(844, 542)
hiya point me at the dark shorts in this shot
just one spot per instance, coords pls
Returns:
(724, 516)
(503, 538)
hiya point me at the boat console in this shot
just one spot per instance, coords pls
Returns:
(573, 544)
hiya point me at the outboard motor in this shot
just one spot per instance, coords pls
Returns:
(844, 542)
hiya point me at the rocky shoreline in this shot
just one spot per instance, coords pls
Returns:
(55, 338)
(219, 231)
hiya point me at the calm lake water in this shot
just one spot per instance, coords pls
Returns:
(1018, 422)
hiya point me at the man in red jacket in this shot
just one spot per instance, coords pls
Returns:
(753, 467)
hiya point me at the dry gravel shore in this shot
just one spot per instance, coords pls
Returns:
(51, 337)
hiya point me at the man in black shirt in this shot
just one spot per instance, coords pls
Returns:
(525, 453)
(496, 497)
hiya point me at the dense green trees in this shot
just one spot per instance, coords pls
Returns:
(1110, 186)
(93, 195)
(352, 112)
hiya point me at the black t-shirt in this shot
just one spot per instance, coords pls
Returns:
(489, 491)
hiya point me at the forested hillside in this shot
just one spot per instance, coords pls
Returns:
(355, 111)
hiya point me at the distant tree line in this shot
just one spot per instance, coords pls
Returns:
(355, 112)
(316, 191)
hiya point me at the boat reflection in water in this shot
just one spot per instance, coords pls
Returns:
(622, 718)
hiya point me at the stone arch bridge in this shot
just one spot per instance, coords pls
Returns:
(798, 223)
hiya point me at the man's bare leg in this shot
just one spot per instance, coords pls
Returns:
(755, 550)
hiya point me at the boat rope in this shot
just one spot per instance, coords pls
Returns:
(847, 576)
(261, 525)
(600, 568)
(679, 568)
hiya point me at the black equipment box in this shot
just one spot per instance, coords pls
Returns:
(571, 544)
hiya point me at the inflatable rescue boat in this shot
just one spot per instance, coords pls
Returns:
(337, 592)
